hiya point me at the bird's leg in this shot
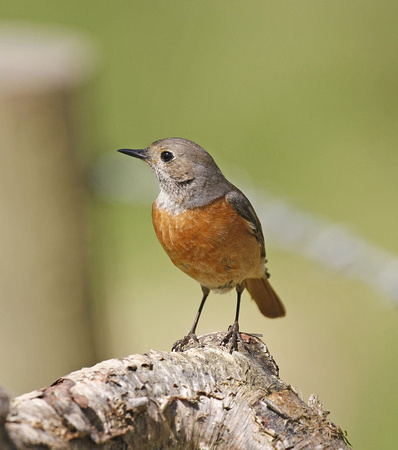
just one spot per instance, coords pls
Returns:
(233, 334)
(178, 346)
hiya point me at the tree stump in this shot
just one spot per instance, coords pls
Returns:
(204, 397)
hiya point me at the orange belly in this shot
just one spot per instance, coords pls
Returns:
(212, 244)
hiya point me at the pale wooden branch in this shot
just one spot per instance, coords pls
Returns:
(203, 397)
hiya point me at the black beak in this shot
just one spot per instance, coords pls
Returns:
(140, 154)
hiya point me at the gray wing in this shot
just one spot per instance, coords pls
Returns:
(241, 204)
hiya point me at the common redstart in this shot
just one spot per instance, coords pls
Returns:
(208, 228)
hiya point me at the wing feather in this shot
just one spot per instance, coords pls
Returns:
(241, 204)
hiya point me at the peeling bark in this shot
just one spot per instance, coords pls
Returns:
(203, 397)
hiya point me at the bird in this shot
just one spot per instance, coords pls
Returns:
(209, 229)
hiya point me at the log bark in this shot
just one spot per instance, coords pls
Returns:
(204, 397)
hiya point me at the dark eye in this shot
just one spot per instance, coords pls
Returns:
(166, 156)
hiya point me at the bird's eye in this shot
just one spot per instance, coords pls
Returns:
(166, 156)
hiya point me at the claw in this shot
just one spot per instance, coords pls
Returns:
(234, 337)
(181, 343)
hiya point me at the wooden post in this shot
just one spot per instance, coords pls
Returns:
(44, 317)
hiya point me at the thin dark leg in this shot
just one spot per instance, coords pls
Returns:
(238, 305)
(233, 334)
(202, 304)
(178, 346)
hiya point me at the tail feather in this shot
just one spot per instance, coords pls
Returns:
(266, 298)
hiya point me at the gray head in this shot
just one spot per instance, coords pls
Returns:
(187, 174)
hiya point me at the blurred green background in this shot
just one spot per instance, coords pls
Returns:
(298, 97)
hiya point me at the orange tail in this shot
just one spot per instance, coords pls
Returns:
(267, 301)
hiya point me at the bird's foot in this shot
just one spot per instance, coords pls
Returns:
(181, 343)
(233, 336)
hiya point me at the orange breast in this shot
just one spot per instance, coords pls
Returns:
(212, 244)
